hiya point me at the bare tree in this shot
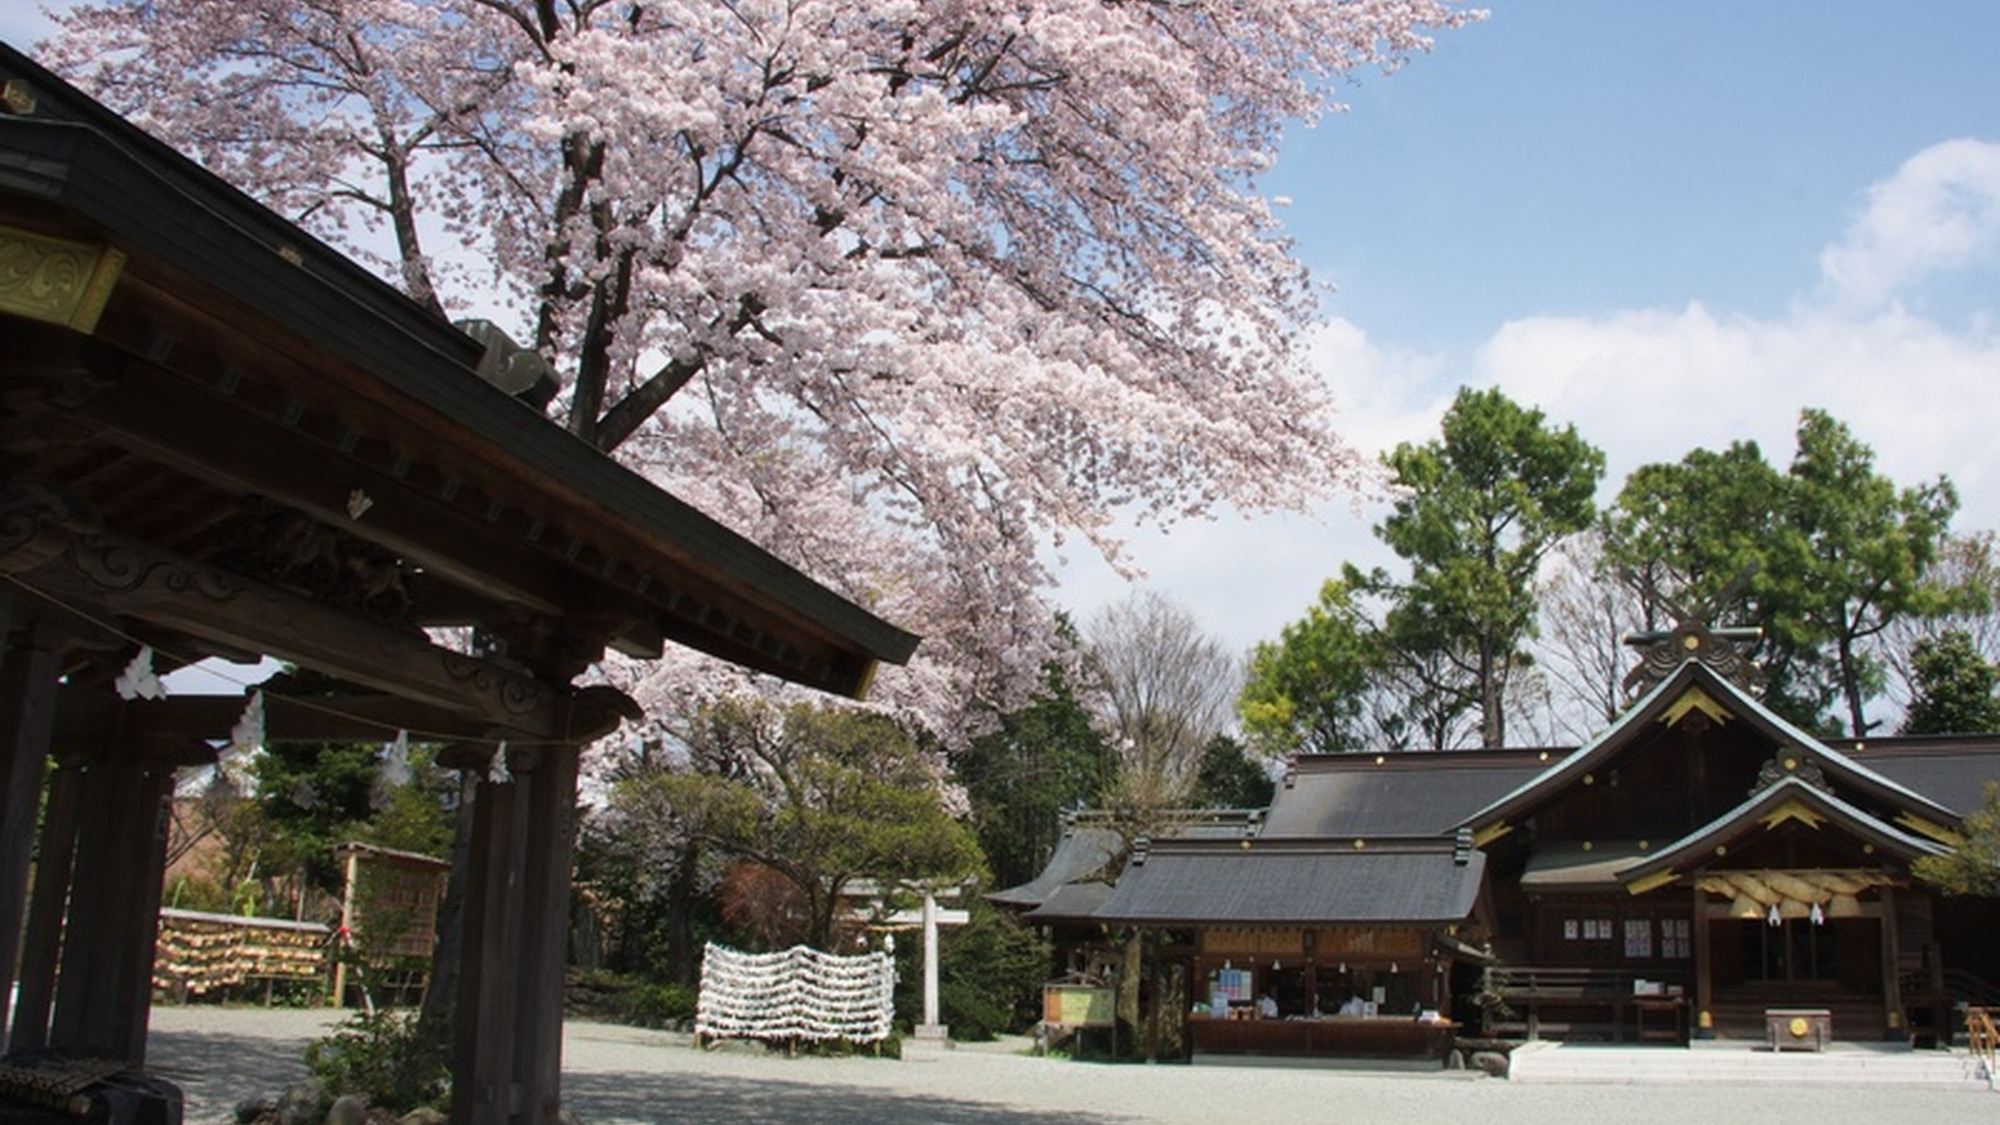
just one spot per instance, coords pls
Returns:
(1166, 688)
(1969, 566)
(1584, 618)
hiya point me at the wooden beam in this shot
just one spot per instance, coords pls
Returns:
(174, 726)
(136, 580)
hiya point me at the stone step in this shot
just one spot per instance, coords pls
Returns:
(1839, 1064)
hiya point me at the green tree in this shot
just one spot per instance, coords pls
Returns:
(1480, 507)
(313, 797)
(1836, 555)
(1957, 691)
(821, 795)
(1853, 553)
(1042, 758)
(1230, 778)
(1682, 532)
(1305, 692)
(1973, 867)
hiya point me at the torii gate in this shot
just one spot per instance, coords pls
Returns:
(929, 916)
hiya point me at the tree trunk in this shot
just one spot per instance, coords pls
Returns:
(1850, 688)
(1131, 966)
(680, 917)
(1492, 719)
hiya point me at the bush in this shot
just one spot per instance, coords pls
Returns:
(383, 1060)
(654, 1004)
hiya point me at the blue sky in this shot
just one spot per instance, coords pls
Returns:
(1567, 157)
(1671, 224)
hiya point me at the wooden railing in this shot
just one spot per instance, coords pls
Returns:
(1591, 1002)
(1981, 1037)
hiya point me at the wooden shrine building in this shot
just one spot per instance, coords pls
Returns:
(220, 438)
(1698, 866)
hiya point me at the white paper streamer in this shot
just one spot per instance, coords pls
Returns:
(800, 993)
(247, 736)
(137, 681)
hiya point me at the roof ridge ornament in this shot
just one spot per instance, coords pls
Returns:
(1694, 637)
(1790, 762)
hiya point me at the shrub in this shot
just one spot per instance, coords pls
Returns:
(654, 1004)
(384, 1060)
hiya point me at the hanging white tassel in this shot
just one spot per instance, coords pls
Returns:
(248, 733)
(396, 761)
(498, 773)
(393, 774)
(246, 741)
(137, 681)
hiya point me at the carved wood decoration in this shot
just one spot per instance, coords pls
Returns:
(56, 279)
(134, 580)
(1695, 637)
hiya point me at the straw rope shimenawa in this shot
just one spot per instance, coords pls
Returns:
(1794, 893)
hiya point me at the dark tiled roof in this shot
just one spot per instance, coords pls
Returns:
(1296, 883)
(1083, 853)
(1092, 840)
(1952, 770)
(1575, 865)
(1411, 793)
(1074, 902)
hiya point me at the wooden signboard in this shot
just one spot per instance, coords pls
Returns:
(1078, 1005)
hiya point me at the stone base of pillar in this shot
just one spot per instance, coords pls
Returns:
(931, 1032)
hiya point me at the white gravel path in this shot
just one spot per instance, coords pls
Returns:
(616, 1075)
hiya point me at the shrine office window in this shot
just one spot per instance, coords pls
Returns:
(1676, 939)
(1638, 939)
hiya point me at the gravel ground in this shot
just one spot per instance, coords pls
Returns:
(616, 1075)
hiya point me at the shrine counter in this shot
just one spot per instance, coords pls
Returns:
(1328, 1037)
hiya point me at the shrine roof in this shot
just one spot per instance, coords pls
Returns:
(1791, 798)
(1399, 793)
(1092, 842)
(1953, 770)
(1293, 882)
(1071, 902)
(1694, 686)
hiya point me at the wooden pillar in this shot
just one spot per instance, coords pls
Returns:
(507, 1034)
(483, 1020)
(548, 836)
(103, 993)
(42, 948)
(146, 857)
(27, 714)
(1704, 971)
(351, 879)
(1892, 985)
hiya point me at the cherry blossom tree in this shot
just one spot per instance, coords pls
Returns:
(917, 293)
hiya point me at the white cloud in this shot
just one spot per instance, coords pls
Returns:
(1651, 385)
(1940, 212)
